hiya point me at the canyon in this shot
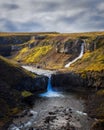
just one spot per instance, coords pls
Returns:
(63, 67)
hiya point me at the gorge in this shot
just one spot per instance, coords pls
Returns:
(54, 110)
(52, 101)
(64, 88)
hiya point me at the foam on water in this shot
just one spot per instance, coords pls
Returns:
(50, 92)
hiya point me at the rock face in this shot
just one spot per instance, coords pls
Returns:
(69, 46)
(5, 50)
(5, 43)
(14, 39)
(38, 84)
(67, 81)
(93, 79)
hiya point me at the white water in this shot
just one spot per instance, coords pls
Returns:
(25, 125)
(50, 92)
(77, 58)
(37, 71)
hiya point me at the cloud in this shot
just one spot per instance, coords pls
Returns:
(10, 6)
(52, 15)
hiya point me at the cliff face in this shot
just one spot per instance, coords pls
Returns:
(14, 39)
(7, 43)
(5, 50)
(89, 79)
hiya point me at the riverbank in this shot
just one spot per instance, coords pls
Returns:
(64, 112)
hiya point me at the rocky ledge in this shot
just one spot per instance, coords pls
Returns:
(72, 80)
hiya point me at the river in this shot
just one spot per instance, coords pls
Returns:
(60, 111)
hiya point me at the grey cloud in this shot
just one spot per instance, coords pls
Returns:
(30, 26)
(10, 6)
(7, 25)
(51, 15)
(20, 27)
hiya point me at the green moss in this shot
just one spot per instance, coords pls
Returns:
(14, 110)
(26, 94)
(33, 55)
(24, 50)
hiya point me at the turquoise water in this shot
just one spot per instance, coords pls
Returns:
(50, 92)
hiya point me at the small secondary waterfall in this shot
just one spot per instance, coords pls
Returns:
(50, 92)
(77, 58)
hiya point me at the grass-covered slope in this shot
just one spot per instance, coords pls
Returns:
(10, 75)
(33, 55)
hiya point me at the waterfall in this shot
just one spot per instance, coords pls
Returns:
(77, 58)
(49, 87)
(50, 92)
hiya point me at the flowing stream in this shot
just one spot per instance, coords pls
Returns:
(77, 58)
(53, 111)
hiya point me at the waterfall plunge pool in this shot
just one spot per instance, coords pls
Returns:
(50, 92)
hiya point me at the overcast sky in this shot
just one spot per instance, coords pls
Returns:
(51, 15)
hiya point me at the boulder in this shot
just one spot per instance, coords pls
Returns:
(65, 82)
(38, 84)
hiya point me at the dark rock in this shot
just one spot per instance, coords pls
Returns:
(74, 81)
(38, 84)
(31, 128)
(49, 118)
(30, 114)
(65, 82)
(52, 113)
(98, 125)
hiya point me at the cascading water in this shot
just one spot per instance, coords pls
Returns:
(50, 92)
(79, 57)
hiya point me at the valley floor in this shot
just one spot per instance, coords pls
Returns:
(65, 112)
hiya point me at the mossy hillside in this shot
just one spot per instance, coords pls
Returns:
(44, 53)
(10, 98)
(11, 73)
(33, 55)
